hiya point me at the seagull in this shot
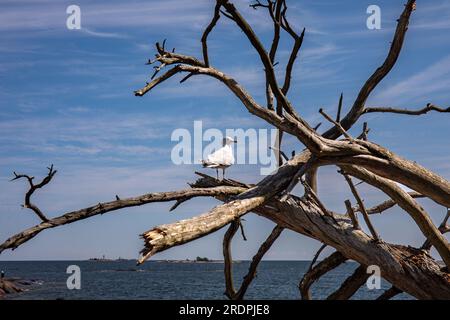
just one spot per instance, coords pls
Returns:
(221, 158)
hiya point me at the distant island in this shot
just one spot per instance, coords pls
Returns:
(204, 259)
(196, 260)
(104, 259)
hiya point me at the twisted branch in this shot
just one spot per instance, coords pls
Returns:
(33, 187)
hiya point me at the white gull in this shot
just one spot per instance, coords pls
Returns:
(221, 158)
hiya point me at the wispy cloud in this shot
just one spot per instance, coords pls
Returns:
(76, 136)
(419, 86)
(46, 15)
(434, 15)
(103, 34)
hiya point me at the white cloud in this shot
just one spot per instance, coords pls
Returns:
(75, 137)
(52, 16)
(433, 15)
(103, 34)
(419, 86)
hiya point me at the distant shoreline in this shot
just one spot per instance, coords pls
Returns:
(134, 259)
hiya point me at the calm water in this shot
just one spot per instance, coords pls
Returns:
(165, 280)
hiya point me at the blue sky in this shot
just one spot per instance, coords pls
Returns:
(66, 97)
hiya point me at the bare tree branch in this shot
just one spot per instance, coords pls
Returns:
(316, 256)
(297, 177)
(241, 227)
(351, 214)
(265, 246)
(258, 4)
(290, 65)
(443, 228)
(275, 14)
(287, 124)
(338, 115)
(228, 259)
(361, 206)
(337, 124)
(265, 59)
(389, 293)
(208, 30)
(349, 287)
(149, 86)
(285, 157)
(101, 208)
(386, 164)
(311, 276)
(385, 205)
(429, 107)
(407, 203)
(358, 106)
(33, 187)
(364, 133)
(170, 235)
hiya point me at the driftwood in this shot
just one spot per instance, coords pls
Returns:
(8, 286)
(407, 269)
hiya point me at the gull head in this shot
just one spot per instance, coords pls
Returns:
(228, 141)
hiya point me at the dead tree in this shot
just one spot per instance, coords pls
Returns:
(407, 269)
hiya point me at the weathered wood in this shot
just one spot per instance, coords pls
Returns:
(324, 266)
(389, 293)
(429, 107)
(350, 285)
(351, 214)
(230, 292)
(408, 268)
(443, 228)
(33, 187)
(251, 274)
(174, 234)
(390, 166)
(101, 208)
(407, 203)
(362, 207)
(385, 205)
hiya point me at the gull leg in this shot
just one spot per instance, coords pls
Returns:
(217, 174)
(223, 173)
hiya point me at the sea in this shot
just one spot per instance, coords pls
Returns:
(123, 279)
